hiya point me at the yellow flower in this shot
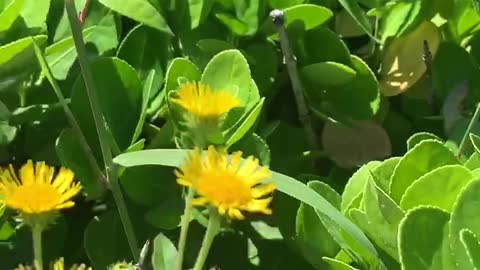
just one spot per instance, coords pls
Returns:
(231, 186)
(36, 191)
(58, 265)
(201, 101)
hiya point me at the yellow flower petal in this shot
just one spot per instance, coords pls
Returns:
(203, 102)
(226, 184)
(34, 192)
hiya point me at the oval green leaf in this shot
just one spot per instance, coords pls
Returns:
(438, 188)
(423, 158)
(141, 11)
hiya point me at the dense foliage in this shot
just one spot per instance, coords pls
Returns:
(365, 112)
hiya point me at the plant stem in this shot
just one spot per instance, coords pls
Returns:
(303, 112)
(37, 246)
(474, 120)
(184, 230)
(212, 230)
(100, 127)
(102, 180)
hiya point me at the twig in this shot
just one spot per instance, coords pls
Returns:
(303, 112)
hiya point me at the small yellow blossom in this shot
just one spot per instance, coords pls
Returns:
(202, 102)
(231, 186)
(35, 190)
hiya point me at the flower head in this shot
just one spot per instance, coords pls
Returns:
(35, 190)
(203, 102)
(231, 186)
(58, 265)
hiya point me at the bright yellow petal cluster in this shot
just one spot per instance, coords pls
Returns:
(35, 190)
(58, 265)
(203, 102)
(229, 185)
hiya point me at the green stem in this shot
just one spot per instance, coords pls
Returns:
(37, 246)
(184, 230)
(303, 112)
(474, 120)
(102, 180)
(100, 126)
(212, 230)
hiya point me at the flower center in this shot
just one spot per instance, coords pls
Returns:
(35, 197)
(223, 188)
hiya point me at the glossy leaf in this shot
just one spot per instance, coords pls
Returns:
(140, 10)
(310, 15)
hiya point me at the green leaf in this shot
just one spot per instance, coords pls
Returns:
(353, 8)
(328, 74)
(229, 71)
(312, 237)
(350, 233)
(311, 15)
(212, 46)
(439, 187)
(384, 217)
(147, 90)
(419, 137)
(421, 239)
(423, 158)
(338, 265)
(150, 185)
(237, 132)
(281, 4)
(62, 54)
(34, 13)
(360, 98)
(403, 17)
(68, 143)
(146, 49)
(475, 139)
(333, 48)
(473, 162)
(255, 145)
(199, 10)
(356, 185)
(105, 241)
(167, 214)
(382, 174)
(453, 66)
(472, 246)
(10, 14)
(17, 60)
(120, 95)
(141, 11)
(465, 216)
(164, 253)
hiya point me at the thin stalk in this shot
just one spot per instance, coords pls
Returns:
(102, 180)
(37, 246)
(184, 230)
(303, 112)
(474, 120)
(212, 230)
(100, 127)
